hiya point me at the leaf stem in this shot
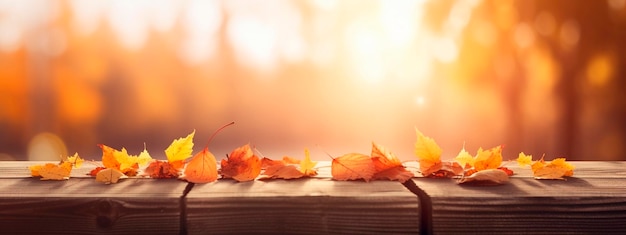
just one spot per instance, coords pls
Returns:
(217, 131)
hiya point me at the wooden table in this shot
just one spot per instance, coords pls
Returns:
(594, 201)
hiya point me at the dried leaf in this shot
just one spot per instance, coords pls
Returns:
(163, 170)
(110, 176)
(488, 159)
(486, 177)
(180, 149)
(428, 153)
(557, 169)
(353, 166)
(284, 171)
(388, 166)
(524, 160)
(465, 159)
(306, 165)
(61, 171)
(51, 171)
(241, 165)
(202, 168)
(122, 161)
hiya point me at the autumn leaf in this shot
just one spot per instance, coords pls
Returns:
(306, 165)
(180, 149)
(241, 165)
(524, 160)
(388, 166)
(95, 171)
(60, 171)
(122, 161)
(75, 160)
(202, 168)
(464, 158)
(353, 166)
(428, 153)
(108, 157)
(282, 171)
(557, 169)
(110, 176)
(488, 159)
(51, 171)
(162, 170)
(289, 168)
(486, 177)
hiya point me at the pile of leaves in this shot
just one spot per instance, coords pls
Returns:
(242, 164)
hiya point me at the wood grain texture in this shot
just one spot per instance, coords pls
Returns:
(84, 206)
(592, 202)
(304, 206)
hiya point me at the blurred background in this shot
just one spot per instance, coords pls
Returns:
(536, 76)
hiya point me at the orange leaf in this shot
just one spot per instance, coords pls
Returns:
(108, 157)
(428, 153)
(388, 166)
(556, 169)
(486, 177)
(283, 171)
(51, 171)
(353, 166)
(163, 170)
(241, 165)
(202, 168)
(488, 159)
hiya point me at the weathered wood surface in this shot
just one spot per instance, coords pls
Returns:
(592, 202)
(317, 205)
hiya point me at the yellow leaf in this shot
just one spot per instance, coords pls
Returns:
(306, 165)
(51, 171)
(75, 160)
(488, 159)
(180, 149)
(524, 160)
(110, 176)
(556, 169)
(428, 153)
(464, 158)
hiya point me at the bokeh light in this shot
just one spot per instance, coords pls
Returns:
(333, 76)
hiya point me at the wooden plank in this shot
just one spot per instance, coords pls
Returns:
(593, 202)
(303, 206)
(84, 206)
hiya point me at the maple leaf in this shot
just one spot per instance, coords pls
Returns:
(241, 165)
(122, 161)
(306, 165)
(488, 159)
(388, 166)
(110, 176)
(557, 169)
(75, 160)
(524, 160)
(464, 158)
(353, 166)
(60, 171)
(289, 168)
(428, 153)
(179, 150)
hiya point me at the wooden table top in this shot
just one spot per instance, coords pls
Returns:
(593, 201)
